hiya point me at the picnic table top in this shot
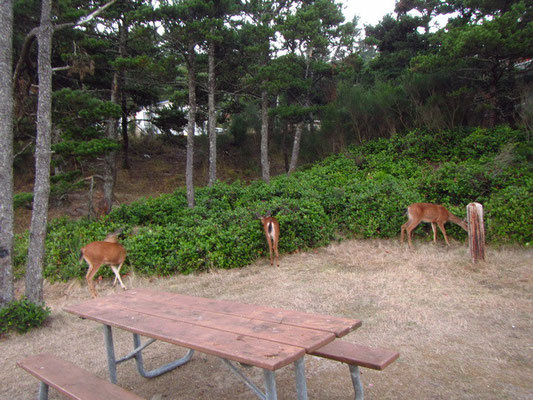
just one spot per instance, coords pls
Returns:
(265, 337)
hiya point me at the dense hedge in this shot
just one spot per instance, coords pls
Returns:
(21, 316)
(361, 193)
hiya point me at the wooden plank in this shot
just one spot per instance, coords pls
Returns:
(337, 325)
(241, 348)
(351, 353)
(71, 380)
(310, 339)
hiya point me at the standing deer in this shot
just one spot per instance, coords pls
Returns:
(109, 252)
(271, 228)
(433, 213)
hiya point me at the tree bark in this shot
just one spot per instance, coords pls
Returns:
(296, 147)
(211, 114)
(110, 159)
(123, 97)
(265, 165)
(39, 217)
(300, 125)
(189, 169)
(6, 154)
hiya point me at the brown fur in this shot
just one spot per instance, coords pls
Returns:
(107, 252)
(272, 236)
(433, 213)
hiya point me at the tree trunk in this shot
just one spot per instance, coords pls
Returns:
(285, 146)
(110, 159)
(296, 147)
(189, 169)
(265, 165)
(211, 115)
(6, 154)
(300, 125)
(123, 97)
(39, 216)
(124, 120)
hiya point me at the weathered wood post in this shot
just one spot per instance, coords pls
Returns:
(476, 231)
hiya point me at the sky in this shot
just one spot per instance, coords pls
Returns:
(370, 12)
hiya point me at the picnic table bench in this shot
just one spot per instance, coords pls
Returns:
(264, 337)
(70, 380)
(356, 355)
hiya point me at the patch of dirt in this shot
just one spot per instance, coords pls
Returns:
(462, 332)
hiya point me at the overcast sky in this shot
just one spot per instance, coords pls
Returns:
(370, 12)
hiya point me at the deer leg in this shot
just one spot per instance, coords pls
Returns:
(441, 226)
(93, 269)
(269, 241)
(410, 230)
(276, 251)
(403, 229)
(434, 228)
(117, 276)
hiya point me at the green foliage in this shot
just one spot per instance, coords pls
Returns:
(20, 254)
(509, 214)
(362, 193)
(22, 199)
(21, 316)
(89, 148)
(374, 207)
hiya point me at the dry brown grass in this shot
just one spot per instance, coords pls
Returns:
(463, 331)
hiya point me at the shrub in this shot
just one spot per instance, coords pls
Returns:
(508, 214)
(21, 316)
(375, 207)
(456, 183)
(363, 192)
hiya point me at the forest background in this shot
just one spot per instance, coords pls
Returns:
(415, 112)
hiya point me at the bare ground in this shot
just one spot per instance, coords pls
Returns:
(463, 331)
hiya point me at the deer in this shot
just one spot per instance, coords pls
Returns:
(271, 228)
(436, 214)
(107, 252)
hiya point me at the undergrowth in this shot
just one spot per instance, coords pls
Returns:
(360, 193)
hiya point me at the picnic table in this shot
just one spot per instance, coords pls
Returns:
(264, 337)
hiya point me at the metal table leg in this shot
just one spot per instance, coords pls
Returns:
(158, 371)
(110, 349)
(356, 380)
(112, 362)
(43, 391)
(270, 385)
(270, 381)
(301, 384)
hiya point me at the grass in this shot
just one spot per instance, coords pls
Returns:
(463, 331)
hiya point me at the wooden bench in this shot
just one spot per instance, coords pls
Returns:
(356, 355)
(70, 380)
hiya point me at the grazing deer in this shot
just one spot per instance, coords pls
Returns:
(109, 252)
(433, 213)
(271, 227)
